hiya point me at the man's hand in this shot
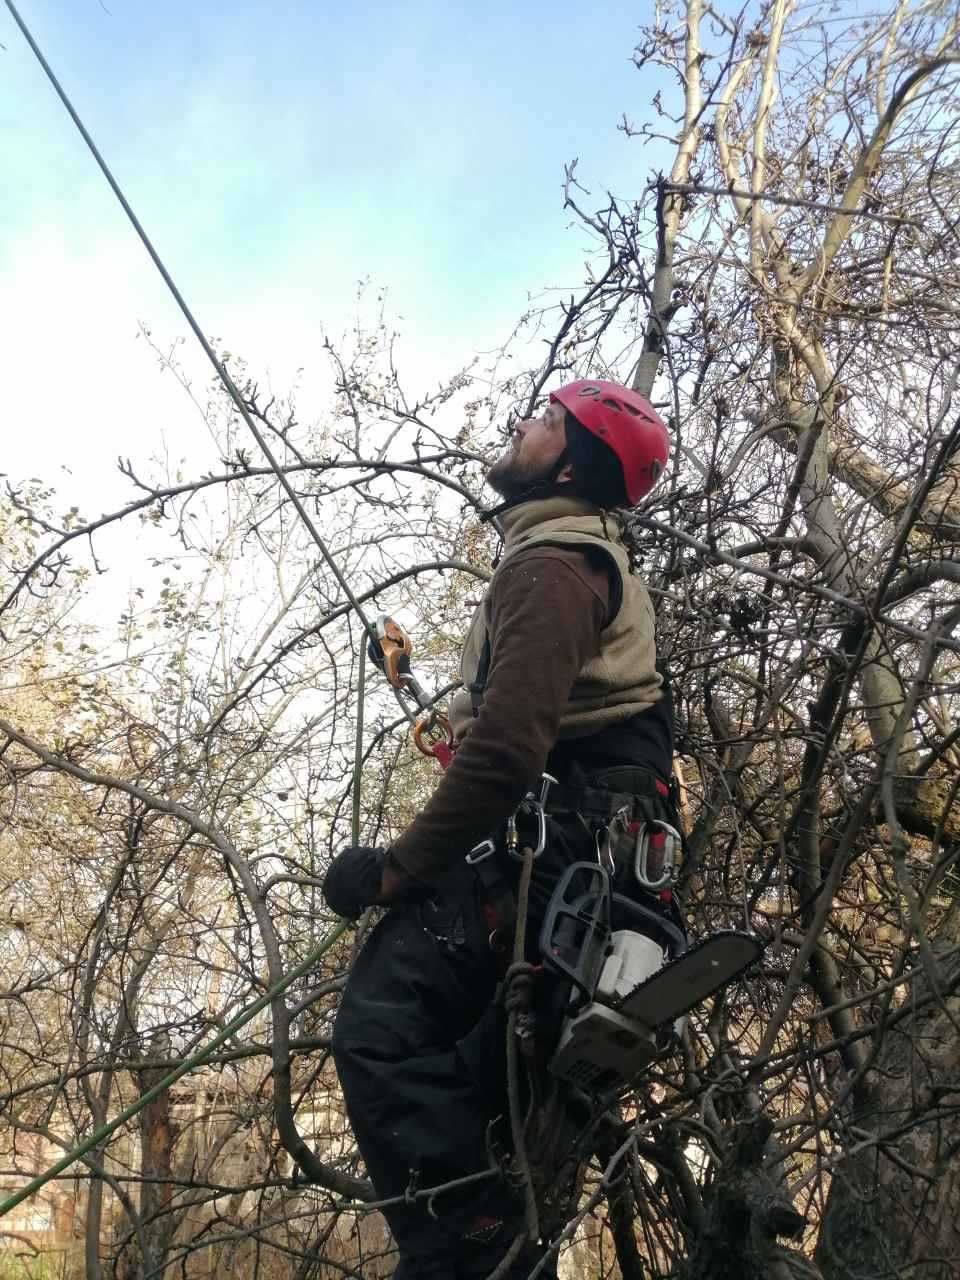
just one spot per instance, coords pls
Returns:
(353, 881)
(394, 881)
(361, 877)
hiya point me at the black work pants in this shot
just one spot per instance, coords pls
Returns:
(420, 1051)
(418, 1045)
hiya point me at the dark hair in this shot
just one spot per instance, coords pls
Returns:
(597, 473)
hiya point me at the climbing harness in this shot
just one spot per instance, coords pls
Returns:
(630, 973)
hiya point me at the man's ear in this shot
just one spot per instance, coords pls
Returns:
(566, 475)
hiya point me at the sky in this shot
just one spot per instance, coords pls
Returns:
(277, 154)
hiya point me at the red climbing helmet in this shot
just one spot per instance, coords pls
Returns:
(626, 423)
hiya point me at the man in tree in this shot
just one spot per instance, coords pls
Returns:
(559, 673)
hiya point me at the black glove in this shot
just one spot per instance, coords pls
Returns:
(353, 881)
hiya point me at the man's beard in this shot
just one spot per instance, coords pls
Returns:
(510, 478)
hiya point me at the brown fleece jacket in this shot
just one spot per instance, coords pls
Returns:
(547, 609)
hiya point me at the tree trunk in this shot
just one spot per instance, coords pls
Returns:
(894, 1203)
(157, 1137)
(94, 1218)
(746, 1209)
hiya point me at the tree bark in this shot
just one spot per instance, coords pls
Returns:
(157, 1138)
(894, 1202)
(746, 1209)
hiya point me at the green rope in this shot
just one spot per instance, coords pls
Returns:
(188, 1064)
(228, 383)
(358, 749)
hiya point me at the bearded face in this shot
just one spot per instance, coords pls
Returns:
(531, 455)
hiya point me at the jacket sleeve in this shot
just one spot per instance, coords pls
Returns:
(547, 609)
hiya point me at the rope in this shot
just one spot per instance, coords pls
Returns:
(518, 992)
(234, 394)
(358, 747)
(195, 1060)
(243, 1018)
(221, 371)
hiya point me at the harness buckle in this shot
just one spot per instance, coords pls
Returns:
(480, 853)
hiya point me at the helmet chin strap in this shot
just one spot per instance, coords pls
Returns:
(545, 488)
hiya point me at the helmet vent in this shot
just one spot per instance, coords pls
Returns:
(591, 391)
(612, 404)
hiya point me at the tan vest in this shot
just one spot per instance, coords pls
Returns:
(621, 680)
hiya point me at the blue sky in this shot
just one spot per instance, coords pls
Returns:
(277, 153)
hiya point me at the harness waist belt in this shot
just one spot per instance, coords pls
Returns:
(619, 787)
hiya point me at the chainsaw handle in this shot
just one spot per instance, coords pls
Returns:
(576, 928)
(628, 914)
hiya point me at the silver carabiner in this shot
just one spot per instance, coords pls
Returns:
(528, 805)
(666, 854)
(531, 804)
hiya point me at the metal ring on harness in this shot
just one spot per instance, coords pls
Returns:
(437, 725)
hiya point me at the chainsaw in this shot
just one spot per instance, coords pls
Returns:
(632, 977)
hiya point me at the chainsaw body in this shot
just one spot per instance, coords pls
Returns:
(632, 977)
